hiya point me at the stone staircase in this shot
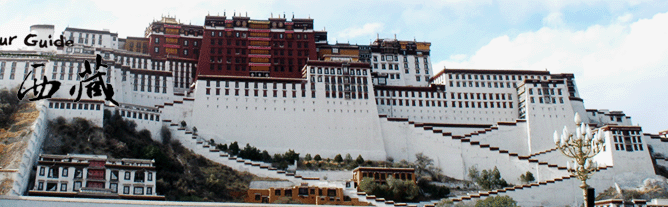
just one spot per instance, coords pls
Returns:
(191, 141)
(467, 138)
(484, 194)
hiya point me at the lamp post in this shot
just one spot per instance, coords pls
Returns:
(581, 147)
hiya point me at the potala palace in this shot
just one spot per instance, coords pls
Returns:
(278, 84)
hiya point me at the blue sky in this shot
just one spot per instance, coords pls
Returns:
(617, 50)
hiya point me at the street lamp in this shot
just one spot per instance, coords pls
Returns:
(581, 147)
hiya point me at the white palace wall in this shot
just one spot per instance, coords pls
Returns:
(325, 126)
(403, 140)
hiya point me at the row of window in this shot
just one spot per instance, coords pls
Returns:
(53, 186)
(382, 176)
(146, 83)
(396, 58)
(79, 106)
(546, 91)
(56, 172)
(482, 84)
(386, 93)
(244, 35)
(493, 77)
(138, 176)
(256, 84)
(439, 95)
(338, 71)
(433, 103)
(140, 115)
(547, 100)
(341, 79)
(136, 190)
(260, 43)
(627, 140)
(264, 93)
(347, 95)
(396, 67)
(184, 42)
(83, 38)
(12, 74)
(174, 51)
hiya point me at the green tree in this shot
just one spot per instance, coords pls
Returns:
(402, 190)
(359, 159)
(9, 104)
(265, 156)
(234, 148)
(166, 135)
(308, 157)
(473, 173)
(183, 124)
(290, 156)
(222, 147)
(527, 177)
(349, 158)
(368, 185)
(497, 201)
(425, 166)
(487, 179)
(317, 157)
(338, 158)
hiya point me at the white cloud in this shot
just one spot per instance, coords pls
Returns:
(625, 18)
(367, 30)
(621, 66)
(554, 20)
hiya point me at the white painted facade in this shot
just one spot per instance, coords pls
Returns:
(86, 40)
(94, 176)
(460, 118)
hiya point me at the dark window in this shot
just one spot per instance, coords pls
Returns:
(303, 191)
(113, 187)
(51, 186)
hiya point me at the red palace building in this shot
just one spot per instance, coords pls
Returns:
(244, 47)
(169, 38)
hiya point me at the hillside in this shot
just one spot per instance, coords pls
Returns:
(182, 175)
(14, 141)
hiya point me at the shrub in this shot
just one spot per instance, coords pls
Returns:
(527, 177)
(359, 160)
(317, 158)
(488, 179)
(432, 191)
(234, 148)
(222, 147)
(349, 158)
(265, 156)
(308, 157)
(395, 189)
(9, 104)
(338, 158)
(497, 201)
(425, 166)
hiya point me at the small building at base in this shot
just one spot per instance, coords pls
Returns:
(285, 191)
(380, 174)
(96, 176)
